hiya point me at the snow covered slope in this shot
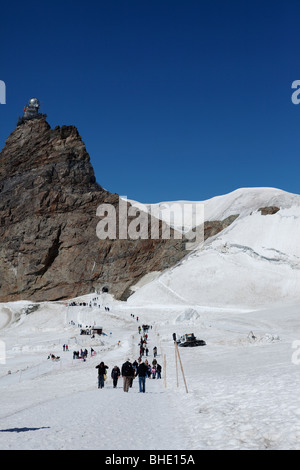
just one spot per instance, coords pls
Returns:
(253, 263)
(243, 389)
(241, 201)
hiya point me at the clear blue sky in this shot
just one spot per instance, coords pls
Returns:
(174, 99)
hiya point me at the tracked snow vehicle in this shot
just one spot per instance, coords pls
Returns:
(190, 340)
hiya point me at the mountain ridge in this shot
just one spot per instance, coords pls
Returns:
(253, 263)
(49, 248)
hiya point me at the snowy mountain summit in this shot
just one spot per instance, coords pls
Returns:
(253, 262)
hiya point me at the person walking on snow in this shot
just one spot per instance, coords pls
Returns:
(135, 366)
(115, 374)
(127, 374)
(142, 372)
(102, 369)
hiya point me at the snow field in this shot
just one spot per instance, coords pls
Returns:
(241, 395)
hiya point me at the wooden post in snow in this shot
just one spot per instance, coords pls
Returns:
(176, 364)
(177, 354)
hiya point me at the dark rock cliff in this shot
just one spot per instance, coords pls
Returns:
(49, 249)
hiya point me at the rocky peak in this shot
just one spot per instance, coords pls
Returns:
(49, 249)
(48, 244)
(34, 147)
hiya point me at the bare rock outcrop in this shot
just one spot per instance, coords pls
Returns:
(49, 249)
(49, 196)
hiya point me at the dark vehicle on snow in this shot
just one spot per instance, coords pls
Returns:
(190, 340)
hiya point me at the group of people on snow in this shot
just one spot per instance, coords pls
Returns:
(53, 357)
(92, 303)
(144, 348)
(129, 371)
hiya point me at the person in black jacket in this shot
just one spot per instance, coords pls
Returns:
(127, 374)
(115, 374)
(142, 372)
(102, 369)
